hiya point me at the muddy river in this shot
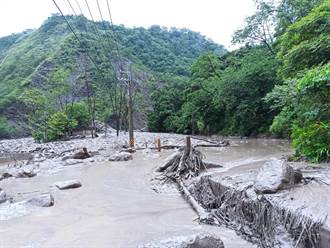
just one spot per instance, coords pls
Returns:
(115, 207)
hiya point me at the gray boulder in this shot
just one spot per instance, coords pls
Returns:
(121, 156)
(275, 175)
(5, 175)
(70, 184)
(3, 196)
(28, 171)
(69, 162)
(23, 171)
(43, 200)
(82, 154)
(203, 240)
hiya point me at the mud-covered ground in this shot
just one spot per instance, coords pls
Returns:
(115, 207)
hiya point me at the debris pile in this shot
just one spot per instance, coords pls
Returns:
(184, 164)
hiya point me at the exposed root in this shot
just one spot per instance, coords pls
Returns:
(203, 215)
(256, 218)
(185, 164)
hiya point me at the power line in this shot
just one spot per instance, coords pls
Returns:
(89, 10)
(97, 31)
(73, 10)
(105, 29)
(129, 86)
(113, 31)
(74, 33)
(81, 12)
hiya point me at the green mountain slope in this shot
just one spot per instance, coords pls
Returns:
(46, 58)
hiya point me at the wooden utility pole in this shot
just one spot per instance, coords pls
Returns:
(159, 145)
(188, 144)
(130, 112)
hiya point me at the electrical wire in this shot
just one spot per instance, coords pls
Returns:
(74, 33)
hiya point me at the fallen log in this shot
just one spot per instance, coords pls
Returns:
(206, 140)
(210, 165)
(211, 145)
(222, 143)
(186, 163)
(203, 215)
(166, 147)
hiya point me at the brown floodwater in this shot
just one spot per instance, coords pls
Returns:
(116, 207)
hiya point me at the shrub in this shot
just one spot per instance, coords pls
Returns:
(58, 126)
(312, 141)
(79, 112)
(5, 129)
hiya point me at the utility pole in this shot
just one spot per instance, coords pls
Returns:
(127, 78)
(130, 112)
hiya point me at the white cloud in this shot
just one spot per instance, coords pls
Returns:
(216, 19)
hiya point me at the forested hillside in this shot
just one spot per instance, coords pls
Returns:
(44, 71)
(278, 83)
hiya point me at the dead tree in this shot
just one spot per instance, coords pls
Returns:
(184, 164)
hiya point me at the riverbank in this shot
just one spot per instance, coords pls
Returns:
(116, 206)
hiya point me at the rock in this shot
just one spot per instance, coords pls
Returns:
(205, 241)
(5, 175)
(72, 162)
(82, 155)
(195, 241)
(26, 171)
(297, 176)
(3, 196)
(43, 200)
(211, 165)
(275, 175)
(122, 156)
(70, 184)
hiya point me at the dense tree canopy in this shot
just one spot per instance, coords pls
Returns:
(278, 82)
(49, 63)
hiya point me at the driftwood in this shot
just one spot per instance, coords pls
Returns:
(257, 219)
(204, 216)
(222, 143)
(184, 164)
(210, 165)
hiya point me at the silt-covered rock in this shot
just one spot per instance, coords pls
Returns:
(275, 175)
(203, 240)
(121, 156)
(43, 200)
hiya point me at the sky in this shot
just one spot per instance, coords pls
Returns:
(216, 19)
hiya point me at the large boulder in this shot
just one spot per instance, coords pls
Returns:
(121, 156)
(26, 171)
(3, 196)
(43, 200)
(275, 175)
(203, 240)
(70, 184)
(21, 171)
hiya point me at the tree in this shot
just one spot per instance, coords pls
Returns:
(306, 43)
(259, 28)
(291, 11)
(303, 99)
